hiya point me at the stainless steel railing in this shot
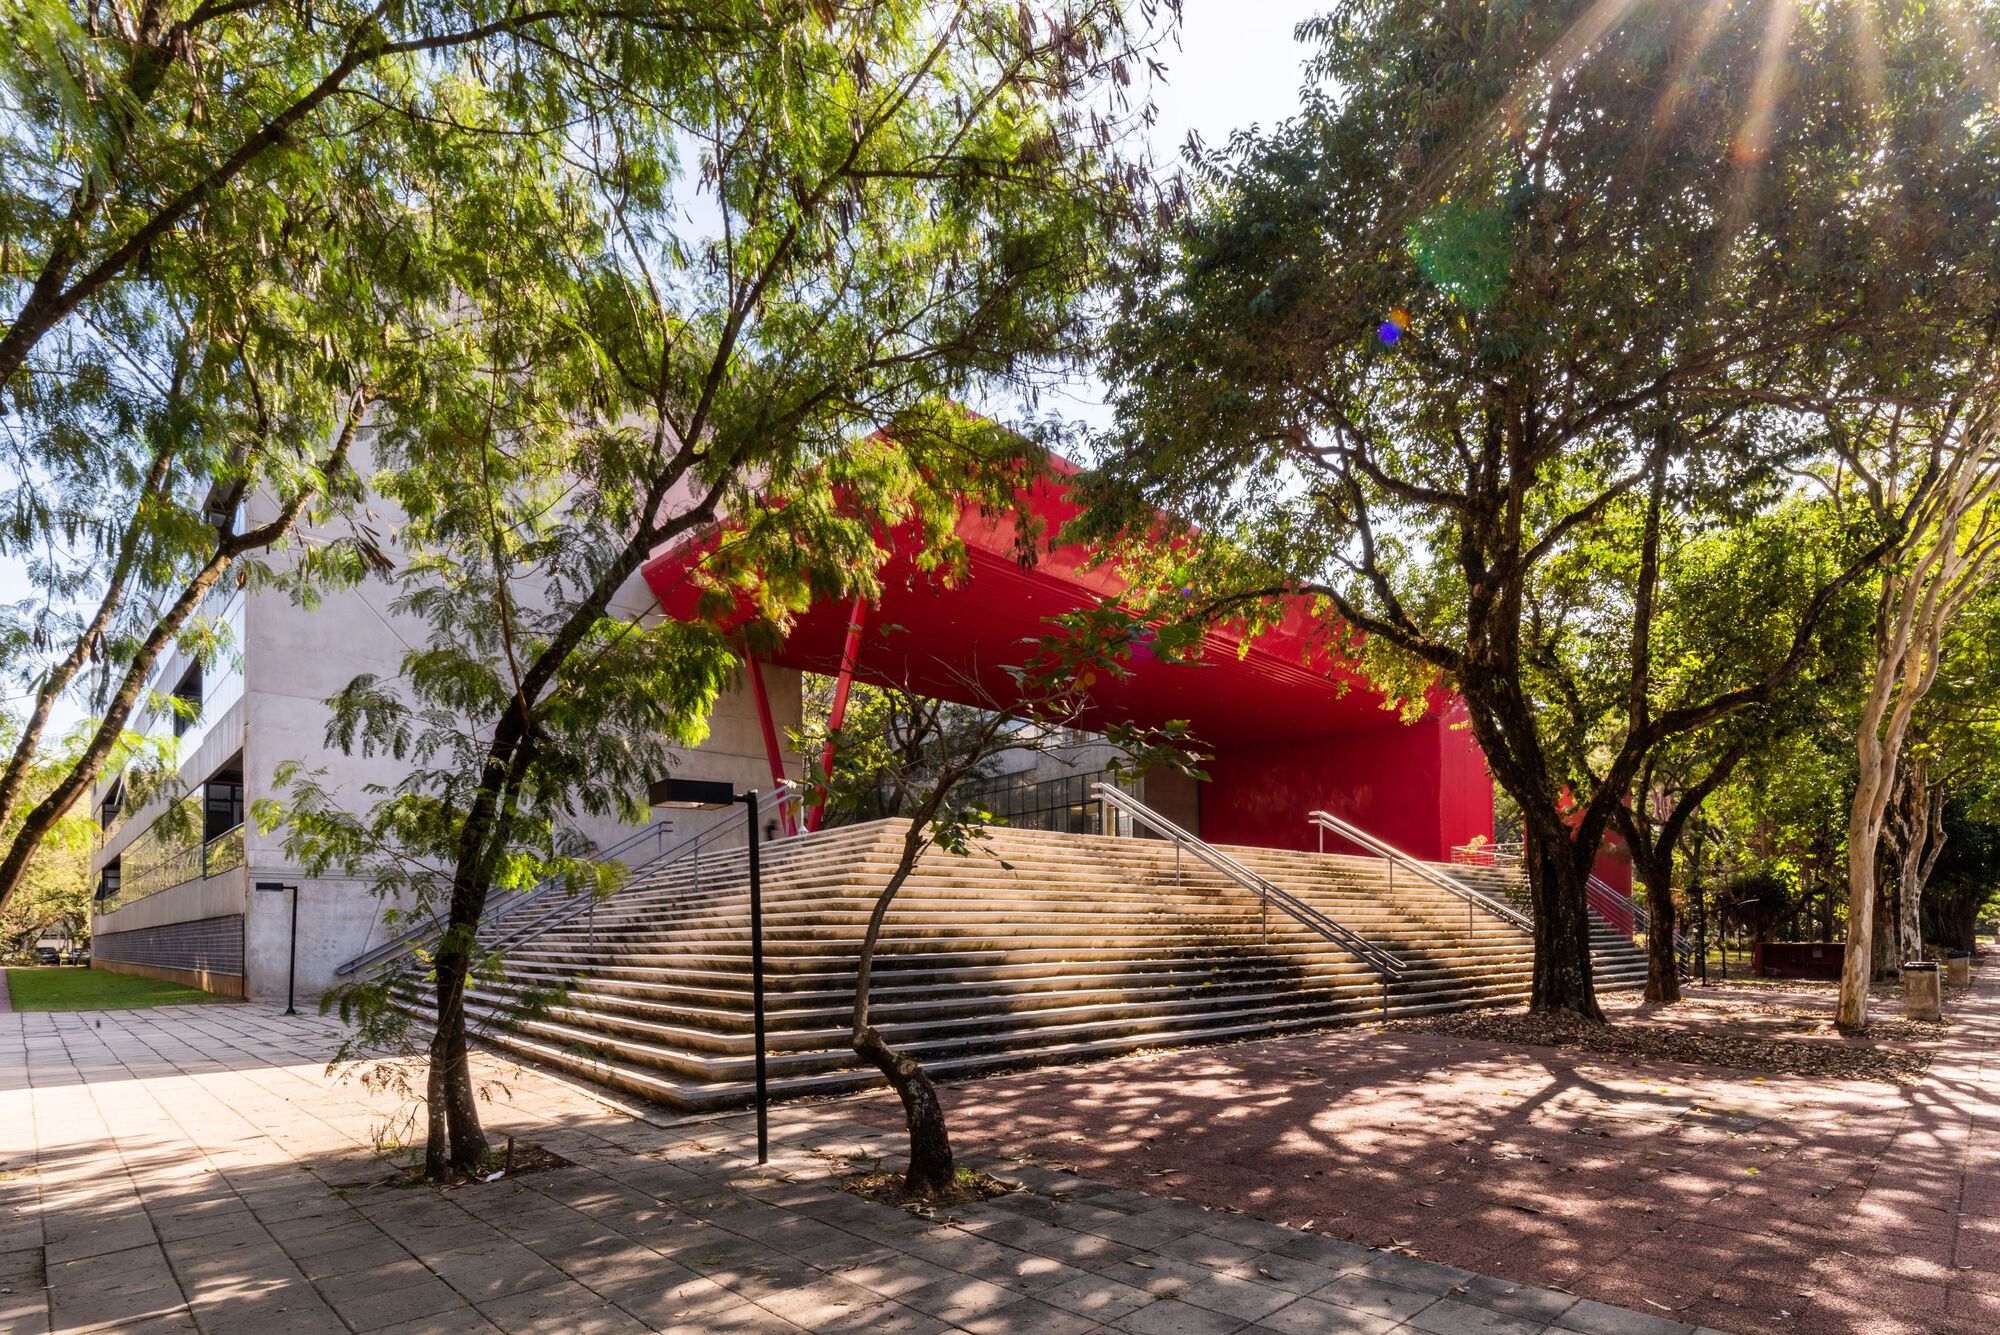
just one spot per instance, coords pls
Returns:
(1423, 871)
(1385, 966)
(511, 906)
(1605, 899)
(1642, 920)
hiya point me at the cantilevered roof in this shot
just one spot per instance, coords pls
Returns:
(952, 637)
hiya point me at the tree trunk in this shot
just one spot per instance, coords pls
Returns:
(1909, 904)
(1884, 962)
(437, 1156)
(1504, 727)
(455, 1110)
(932, 1165)
(1663, 969)
(1562, 927)
(1857, 967)
(1920, 858)
(1960, 920)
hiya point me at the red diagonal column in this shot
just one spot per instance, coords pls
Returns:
(849, 653)
(770, 726)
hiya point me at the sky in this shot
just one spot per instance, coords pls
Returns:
(1235, 65)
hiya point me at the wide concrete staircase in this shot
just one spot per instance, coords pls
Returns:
(1039, 947)
(1620, 960)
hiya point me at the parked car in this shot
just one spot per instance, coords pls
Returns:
(47, 955)
(79, 955)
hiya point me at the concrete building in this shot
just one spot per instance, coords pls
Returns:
(176, 898)
(1289, 720)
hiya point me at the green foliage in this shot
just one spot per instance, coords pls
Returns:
(1629, 272)
(723, 291)
(1464, 251)
(1965, 884)
(881, 750)
(1758, 901)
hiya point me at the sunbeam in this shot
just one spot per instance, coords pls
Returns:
(1753, 140)
(1688, 62)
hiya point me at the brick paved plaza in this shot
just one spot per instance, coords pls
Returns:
(194, 1169)
(1711, 1195)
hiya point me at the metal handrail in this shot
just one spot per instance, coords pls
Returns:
(1642, 922)
(1491, 855)
(573, 905)
(1385, 965)
(1610, 902)
(516, 901)
(1424, 871)
(503, 907)
(1485, 855)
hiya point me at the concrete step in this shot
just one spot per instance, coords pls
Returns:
(1078, 945)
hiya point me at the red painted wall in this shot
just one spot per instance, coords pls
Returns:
(1422, 787)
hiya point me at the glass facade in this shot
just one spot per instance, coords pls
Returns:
(201, 836)
(211, 688)
(1066, 804)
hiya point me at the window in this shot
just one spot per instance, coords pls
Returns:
(187, 696)
(114, 804)
(109, 881)
(222, 803)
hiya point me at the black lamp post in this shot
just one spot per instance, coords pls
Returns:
(713, 795)
(292, 968)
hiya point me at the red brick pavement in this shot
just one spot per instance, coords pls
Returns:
(1723, 1199)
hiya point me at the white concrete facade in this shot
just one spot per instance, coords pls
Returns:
(288, 662)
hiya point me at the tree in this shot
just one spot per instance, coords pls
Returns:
(55, 891)
(1734, 583)
(1758, 901)
(1933, 475)
(212, 216)
(1966, 875)
(1953, 748)
(940, 746)
(1785, 807)
(904, 215)
(1490, 296)
(883, 749)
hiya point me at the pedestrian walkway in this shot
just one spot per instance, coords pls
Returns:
(1766, 1204)
(197, 1169)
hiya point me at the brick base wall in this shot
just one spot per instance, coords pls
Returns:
(206, 953)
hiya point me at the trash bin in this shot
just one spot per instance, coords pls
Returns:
(1920, 990)
(1958, 967)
